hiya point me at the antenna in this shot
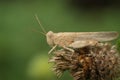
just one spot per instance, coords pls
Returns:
(40, 24)
(38, 32)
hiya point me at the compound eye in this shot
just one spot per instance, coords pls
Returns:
(49, 38)
(50, 34)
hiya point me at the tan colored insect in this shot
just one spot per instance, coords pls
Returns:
(71, 40)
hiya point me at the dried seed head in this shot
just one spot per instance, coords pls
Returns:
(99, 62)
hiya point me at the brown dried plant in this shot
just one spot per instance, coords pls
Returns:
(99, 62)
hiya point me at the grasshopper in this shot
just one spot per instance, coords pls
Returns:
(71, 40)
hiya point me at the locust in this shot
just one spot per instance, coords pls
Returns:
(72, 40)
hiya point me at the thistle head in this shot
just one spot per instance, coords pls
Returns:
(99, 62)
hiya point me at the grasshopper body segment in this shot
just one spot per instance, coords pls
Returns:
(73, 39)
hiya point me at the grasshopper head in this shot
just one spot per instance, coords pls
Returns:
(49, 37)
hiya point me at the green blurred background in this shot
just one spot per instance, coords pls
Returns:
(23, 52)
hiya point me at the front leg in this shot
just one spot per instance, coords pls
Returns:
(52, 49)
(69, 49)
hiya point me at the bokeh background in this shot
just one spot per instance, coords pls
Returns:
(23, 52)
